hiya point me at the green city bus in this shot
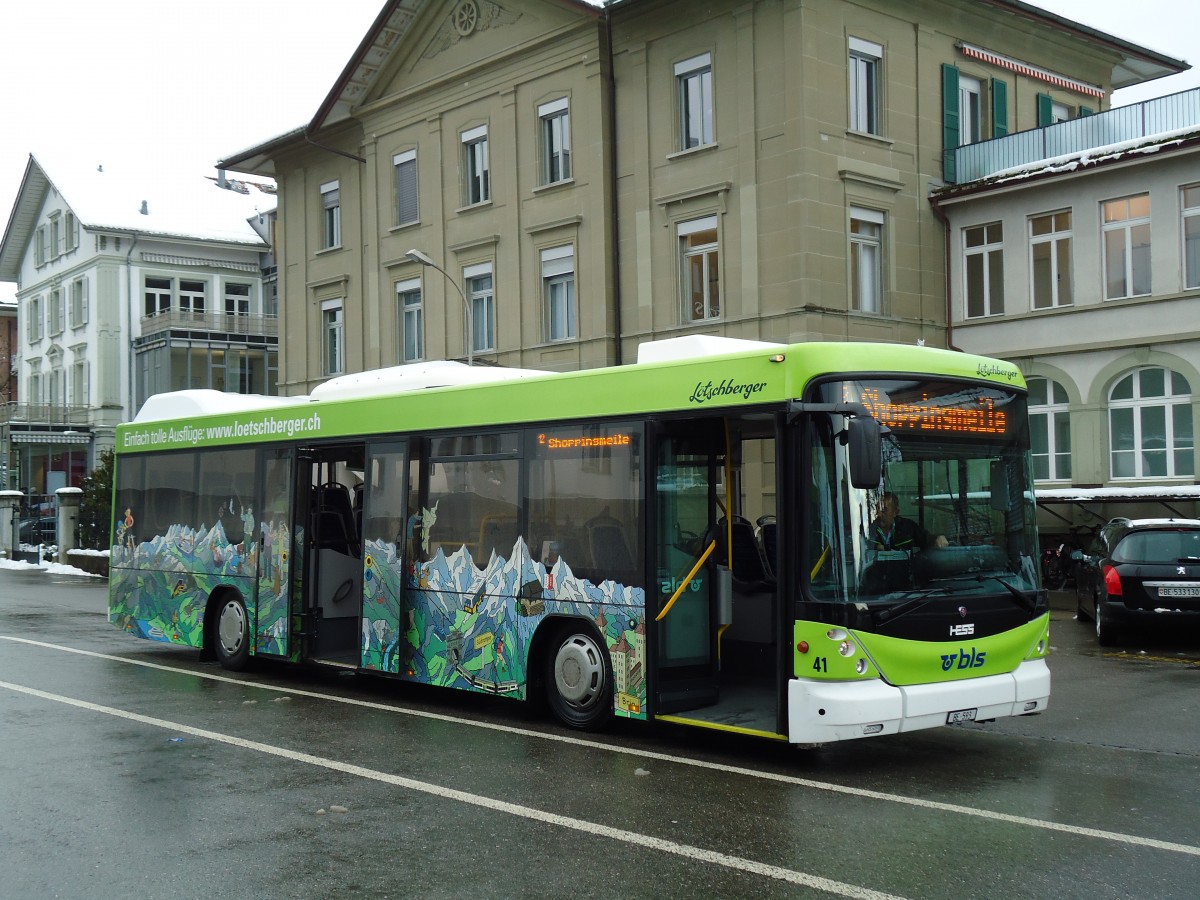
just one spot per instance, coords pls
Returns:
(695, 538)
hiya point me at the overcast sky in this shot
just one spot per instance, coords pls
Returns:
(177, 84)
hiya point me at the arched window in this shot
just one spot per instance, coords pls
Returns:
(1150, 425)
(1049, 430)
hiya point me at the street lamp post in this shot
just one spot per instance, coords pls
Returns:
(422, 258)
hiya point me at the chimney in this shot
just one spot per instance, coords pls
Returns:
(145, 208)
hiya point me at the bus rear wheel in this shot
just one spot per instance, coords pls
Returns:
(579, 680)
(232, 636)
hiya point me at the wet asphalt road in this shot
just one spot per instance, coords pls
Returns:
(130, 769)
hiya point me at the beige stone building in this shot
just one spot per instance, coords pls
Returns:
(591, 178)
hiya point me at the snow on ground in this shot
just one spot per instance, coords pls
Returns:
(50, 568)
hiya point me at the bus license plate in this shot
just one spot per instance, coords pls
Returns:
(958, 716)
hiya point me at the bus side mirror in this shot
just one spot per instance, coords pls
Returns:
(865, 439)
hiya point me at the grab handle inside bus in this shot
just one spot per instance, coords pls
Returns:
(687, 579)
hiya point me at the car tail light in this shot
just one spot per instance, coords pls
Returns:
(1112, 582)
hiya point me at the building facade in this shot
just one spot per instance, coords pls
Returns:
(1084, 269)
(581, 180)
(126, 289)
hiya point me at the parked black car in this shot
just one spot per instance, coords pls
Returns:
(1139, 571)
(38, 531)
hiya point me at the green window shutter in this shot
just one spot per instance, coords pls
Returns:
(950, 124)
(999, 108)
(1085, 111)
(1045, 110)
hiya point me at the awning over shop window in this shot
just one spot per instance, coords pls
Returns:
(50, 437)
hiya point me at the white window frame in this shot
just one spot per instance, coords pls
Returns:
(970, 110)
(477, 187)
(482, 297)
(79, 302)
(33, 315)
(40, 253)
(163, 296)
(193, 304)
(57, 311)
(333, 337)
(865, 70)
(79, 383)
(991, 254)
(331, 215)
(1119, 225)
(1173, 405)
(1054, 240)
(703, 260)
(558, 293)
(410, 321)
(237, 298)
(866, 259)
(408, 198)
(694, 93)
(554, 120)
(1190, 232)
(1052, 414)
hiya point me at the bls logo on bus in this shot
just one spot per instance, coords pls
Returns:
(965, 659)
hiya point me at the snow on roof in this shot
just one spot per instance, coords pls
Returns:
(205, 402)
(692, 346)
(413, 377)
(1132, 492)
(177, 205)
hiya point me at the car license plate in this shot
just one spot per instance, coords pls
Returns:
(958, 716)
(1171, 591)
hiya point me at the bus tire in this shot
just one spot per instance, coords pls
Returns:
(231, 637)
(579, 678)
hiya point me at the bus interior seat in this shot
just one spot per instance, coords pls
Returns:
(336, 527)
(767, 534)
(609, 547)
(748, 566)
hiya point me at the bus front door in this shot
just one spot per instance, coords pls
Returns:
(685, 614)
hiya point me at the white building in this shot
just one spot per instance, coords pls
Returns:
(1083, 268)
(127, 288)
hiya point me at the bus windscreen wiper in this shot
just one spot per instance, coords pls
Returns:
(918, 598)
(1022, 601)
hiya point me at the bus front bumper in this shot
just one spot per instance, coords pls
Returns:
(825, 711)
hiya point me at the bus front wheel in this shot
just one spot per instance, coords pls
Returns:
(232, 638)
(579, 680)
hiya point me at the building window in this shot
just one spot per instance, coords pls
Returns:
(693, 78)
(35, 388)
(983, 269)
(407, 205)
(71, 230)
(556, 141)
(866, 63)
(1050, 259)
(56, 236)
(237, 299)
(57, 311)
(866, 260)
(40, 252)
(79, 302)
(192, 300)
(1049, 430)
(699, 267)
(1191, 236)
(79, 383)
(558, 293)
(158, 296)
(333, 350)
(478, 188)
(34, 315)
(1150, 425)
(331, 215)
(1126, 246)
(483, 306)
(970, 109)
(411, 318)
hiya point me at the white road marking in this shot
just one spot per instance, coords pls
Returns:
(991, 815)
(634, 838)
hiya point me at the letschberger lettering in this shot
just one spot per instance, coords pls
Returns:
(706, 391)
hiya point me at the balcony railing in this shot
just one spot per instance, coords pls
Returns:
(1125, 123)
(229, 323)
(43, 414)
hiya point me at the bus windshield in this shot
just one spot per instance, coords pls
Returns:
(954, 512)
